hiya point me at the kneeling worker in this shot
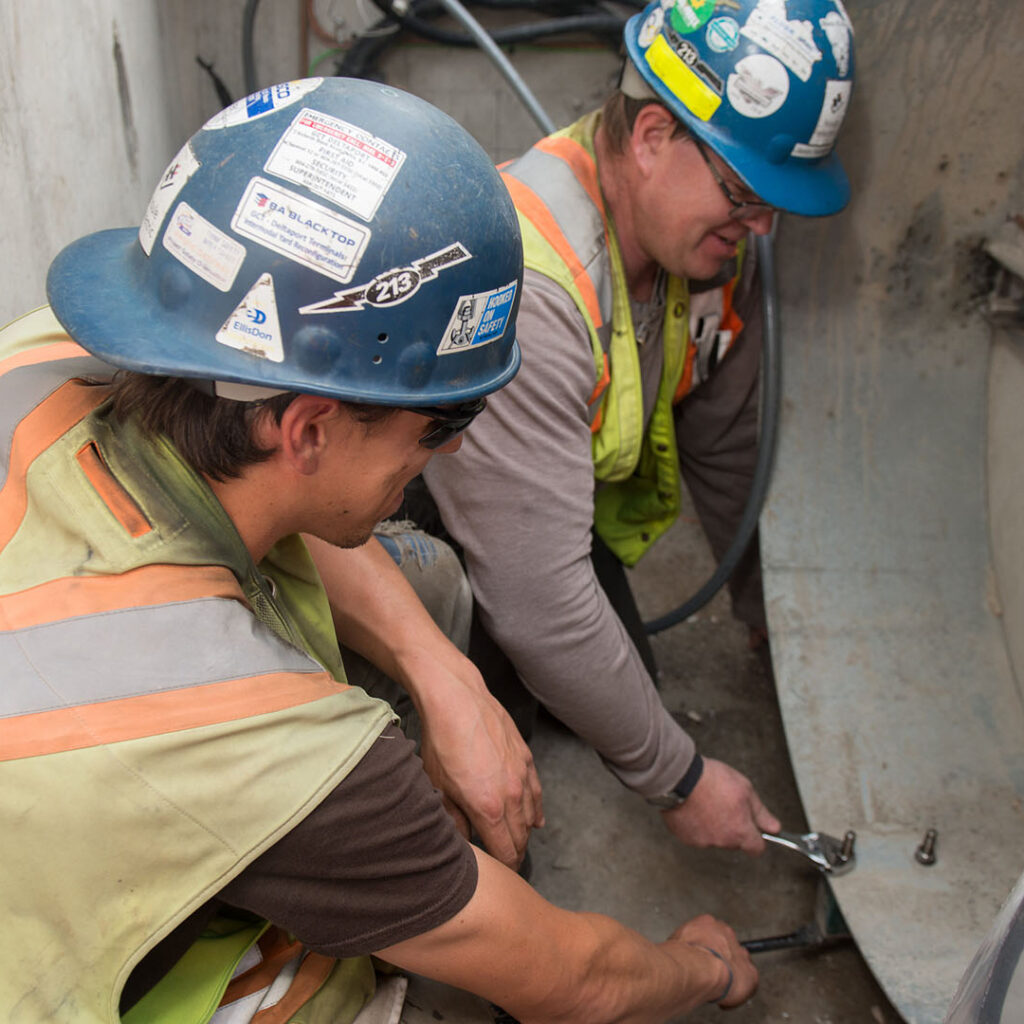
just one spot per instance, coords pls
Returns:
(321, 295)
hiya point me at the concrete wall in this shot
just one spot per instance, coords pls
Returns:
(95, 99)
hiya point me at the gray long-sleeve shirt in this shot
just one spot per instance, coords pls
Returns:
(519, 498)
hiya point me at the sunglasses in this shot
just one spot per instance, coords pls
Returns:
(447, 421)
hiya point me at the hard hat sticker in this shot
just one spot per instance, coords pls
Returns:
(651, 27)
(478, 319)
(842, 11)
(303, 230)
(686, 16)
(758, 86)
(833, 110)
(206, 250)
(723, 34)
(685, 84)
(791, 40)
(838, 32)
(253, 327)
(181, 168)
(393, 286)
(259, 104)
(339, 161)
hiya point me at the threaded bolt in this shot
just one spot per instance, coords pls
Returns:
(847, 851)
(925, 853)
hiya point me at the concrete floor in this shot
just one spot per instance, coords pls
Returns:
(605, 850)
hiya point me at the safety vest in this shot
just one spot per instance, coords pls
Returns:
(569, 236)
(168, 709)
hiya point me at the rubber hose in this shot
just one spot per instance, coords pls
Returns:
(771, 394)
(600, 23)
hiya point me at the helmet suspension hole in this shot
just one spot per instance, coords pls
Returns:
(377, 360)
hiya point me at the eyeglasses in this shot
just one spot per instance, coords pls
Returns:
(742, 209)
(447, 421)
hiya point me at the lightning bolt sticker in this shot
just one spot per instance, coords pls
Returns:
(393, 286)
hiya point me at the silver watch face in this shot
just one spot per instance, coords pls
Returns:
(666, 801)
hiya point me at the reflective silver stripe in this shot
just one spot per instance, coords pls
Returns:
(22, 389)
(554, 182)
(138, 651)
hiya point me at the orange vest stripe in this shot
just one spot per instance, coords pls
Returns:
(72, 596)
(578, 159)
(45, 354)
(121, 504)
(314, 970)
(533, 208)
(154, 714)
(42, 427)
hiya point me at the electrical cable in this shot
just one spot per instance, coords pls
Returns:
(607, 24)
(361, 58)
(248, 51)
(771, 396)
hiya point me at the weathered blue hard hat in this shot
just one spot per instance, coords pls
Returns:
(765, 83)
(331, 236)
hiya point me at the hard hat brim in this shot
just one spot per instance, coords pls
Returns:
(96, 288)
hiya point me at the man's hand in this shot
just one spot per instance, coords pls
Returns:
(723, 810)
(475, 756)
(712, 935)
(471, 749)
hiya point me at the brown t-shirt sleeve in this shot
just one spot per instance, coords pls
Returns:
(377, 862)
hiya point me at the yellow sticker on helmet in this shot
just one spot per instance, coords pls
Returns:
(696, 95)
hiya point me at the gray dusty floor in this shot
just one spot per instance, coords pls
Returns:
(605, 850)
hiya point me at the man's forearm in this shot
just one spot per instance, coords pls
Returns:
(551, 966)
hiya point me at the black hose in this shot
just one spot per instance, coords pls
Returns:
(598, 23)
(771, 395)
(248, 49)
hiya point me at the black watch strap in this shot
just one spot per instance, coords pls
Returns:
(683, 788)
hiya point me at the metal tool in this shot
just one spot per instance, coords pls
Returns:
(826, 928)
(830, 855)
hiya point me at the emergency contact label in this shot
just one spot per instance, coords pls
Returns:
(215, 256)
(345, 164)
(478, 319)
(300, 229)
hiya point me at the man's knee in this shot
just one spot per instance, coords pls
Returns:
(435, 573)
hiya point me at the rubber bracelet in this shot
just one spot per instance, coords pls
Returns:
(718, 956)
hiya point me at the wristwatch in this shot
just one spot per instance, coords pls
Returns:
(682, 789)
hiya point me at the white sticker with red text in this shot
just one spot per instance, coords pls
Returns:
(343, 163)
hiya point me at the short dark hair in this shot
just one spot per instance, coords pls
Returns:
(216, 436)
(619, 113)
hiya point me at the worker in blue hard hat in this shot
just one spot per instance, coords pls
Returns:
(640, 329)
(204, 819)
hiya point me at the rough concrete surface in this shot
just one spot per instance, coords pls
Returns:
(605, 850)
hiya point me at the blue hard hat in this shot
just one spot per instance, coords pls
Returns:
(765, 83)
(330, 236)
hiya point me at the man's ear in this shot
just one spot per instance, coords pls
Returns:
(652, 131)
(305, 431)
